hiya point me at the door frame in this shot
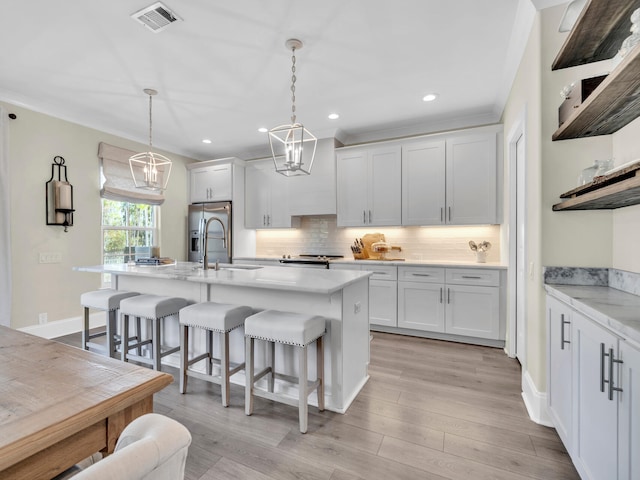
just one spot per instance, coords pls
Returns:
(516, 184)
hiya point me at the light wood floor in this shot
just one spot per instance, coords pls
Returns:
(431, 410)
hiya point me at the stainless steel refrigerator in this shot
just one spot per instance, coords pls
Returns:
(210, 225)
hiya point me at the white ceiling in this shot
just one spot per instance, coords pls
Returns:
(224, 72)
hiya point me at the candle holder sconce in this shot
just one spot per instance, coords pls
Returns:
(59, 196)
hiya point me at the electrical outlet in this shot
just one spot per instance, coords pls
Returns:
(42, 318)
(50, 257)
(356, 307)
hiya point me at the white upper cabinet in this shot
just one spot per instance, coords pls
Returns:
(212, 183)
(449, 179)
(423, 183)
(369, 186)
(315, 194)
(266, 197)
(472, 180)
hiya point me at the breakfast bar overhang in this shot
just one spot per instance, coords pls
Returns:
(341, 296)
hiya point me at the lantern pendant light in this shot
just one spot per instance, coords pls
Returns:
(293, 147)
(150, 170)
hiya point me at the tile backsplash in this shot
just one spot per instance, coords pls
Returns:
(321, 235)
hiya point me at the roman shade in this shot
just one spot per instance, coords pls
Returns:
(117, 182)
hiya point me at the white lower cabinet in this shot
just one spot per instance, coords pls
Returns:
(559, 371)
(462, 302)
(592, 394)
(595, 425)
(421, 306)
(383, 292)
(629, 413)
(473, 311)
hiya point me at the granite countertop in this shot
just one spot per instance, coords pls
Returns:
(399, 263)
(275, 278)
(605, 295)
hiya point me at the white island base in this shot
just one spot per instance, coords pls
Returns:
(341, 297)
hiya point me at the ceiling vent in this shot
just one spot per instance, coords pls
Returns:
(156, 17)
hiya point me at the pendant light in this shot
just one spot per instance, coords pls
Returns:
(293, 147)
(150, 170)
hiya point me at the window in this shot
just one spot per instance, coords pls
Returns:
(128, 232)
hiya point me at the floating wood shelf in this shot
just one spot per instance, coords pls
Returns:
(616, 190)
(612, 105)
(597, 34)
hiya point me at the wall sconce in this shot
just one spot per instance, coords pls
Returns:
(60, 209)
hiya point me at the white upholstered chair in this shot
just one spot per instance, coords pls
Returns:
(152, 447)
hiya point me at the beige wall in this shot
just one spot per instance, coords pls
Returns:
(524, 104)
(578, 238)
(34, 139)
(626, 221)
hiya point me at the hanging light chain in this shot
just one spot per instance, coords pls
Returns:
(293, 86)
(150, 121)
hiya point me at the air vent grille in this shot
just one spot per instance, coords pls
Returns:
(156, 17)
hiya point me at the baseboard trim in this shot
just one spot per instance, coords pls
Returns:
(64, 327)
(535, 401)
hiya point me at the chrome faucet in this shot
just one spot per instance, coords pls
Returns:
(205, 260)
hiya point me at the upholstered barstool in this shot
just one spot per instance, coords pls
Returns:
(107, 300)
(220, 318)
(288, 328)
(154, 308)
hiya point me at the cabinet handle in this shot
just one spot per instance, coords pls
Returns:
(612, 360)
(449, 213)
(364, 216)
(369, 216)
(380, 273)
(563, 322)
(448, 295)
(268, 219)
(441, 215)
(602, 355)
(473, 277)
(264, 220)
(421, 274)
(440, 294)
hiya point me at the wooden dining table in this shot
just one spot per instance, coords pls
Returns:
(60, 404)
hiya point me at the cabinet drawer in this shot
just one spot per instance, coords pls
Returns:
(421, 274)
(460, 276)
(382, 272)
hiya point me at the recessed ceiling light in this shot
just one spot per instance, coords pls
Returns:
(334, 116)
(430, 97)
(206, 140)
(263, 130)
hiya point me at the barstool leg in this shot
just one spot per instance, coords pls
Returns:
(224, 368)
(302, 389)
(209, 335)
(271, 346)
(320, 372)
(184, 357)
(248, 391)
(111, 332)
(156, 346)
(85, 329)
(138, 335)
(125, 335)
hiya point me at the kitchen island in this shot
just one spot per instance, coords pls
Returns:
(342, 297)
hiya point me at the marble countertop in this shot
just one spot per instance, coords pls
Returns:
(614, 309)
(308, 280)
(399, 263)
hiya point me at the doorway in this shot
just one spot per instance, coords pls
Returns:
(517, 241)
